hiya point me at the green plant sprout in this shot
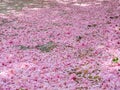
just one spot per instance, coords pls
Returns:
(115, 60)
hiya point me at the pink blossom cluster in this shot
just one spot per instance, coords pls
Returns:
(61, 48)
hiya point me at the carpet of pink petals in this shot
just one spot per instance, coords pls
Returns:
(87, 40)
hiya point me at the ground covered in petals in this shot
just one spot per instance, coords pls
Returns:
(61, 47)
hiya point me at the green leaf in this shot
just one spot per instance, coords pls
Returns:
(115, 60)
